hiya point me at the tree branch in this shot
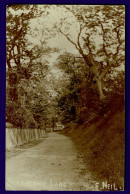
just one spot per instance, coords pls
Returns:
(78, 41)
(88, 44)
(68, 38)
(104, 72)
(104, 41)
(119, 41)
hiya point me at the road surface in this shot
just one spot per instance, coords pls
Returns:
(52, 165)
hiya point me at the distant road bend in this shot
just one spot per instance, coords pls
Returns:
(51, 165)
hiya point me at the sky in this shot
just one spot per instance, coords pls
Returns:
(47, 22)
(58, 40)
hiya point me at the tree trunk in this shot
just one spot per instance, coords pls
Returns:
(98, 81)
(99, 90)
(77, 111)
(95, 74)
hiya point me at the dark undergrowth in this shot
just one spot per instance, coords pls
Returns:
(102, 144)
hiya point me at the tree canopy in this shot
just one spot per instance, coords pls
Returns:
(45, 80)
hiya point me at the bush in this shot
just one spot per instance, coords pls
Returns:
(19, 116)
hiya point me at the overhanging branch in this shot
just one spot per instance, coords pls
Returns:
(68, 39)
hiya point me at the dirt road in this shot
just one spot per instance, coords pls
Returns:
(53, 165)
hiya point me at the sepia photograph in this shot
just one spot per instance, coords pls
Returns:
(65, 97)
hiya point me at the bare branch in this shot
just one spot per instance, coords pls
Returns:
(88, 44)
(78, 41)
(119, 41)
(68, 38)
(104, 41)
(78, 45)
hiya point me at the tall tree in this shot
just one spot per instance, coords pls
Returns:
(25, 65)
(21, 53)
(100, 39)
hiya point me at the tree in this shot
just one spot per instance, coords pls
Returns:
(21, 53)
(69, 94)
(16, 31)
(25, 66)
(100, 39)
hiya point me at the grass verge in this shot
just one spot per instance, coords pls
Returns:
(103, 147)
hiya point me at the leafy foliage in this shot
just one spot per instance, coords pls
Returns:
(100, 38)
(25, 70)
(89, 80)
